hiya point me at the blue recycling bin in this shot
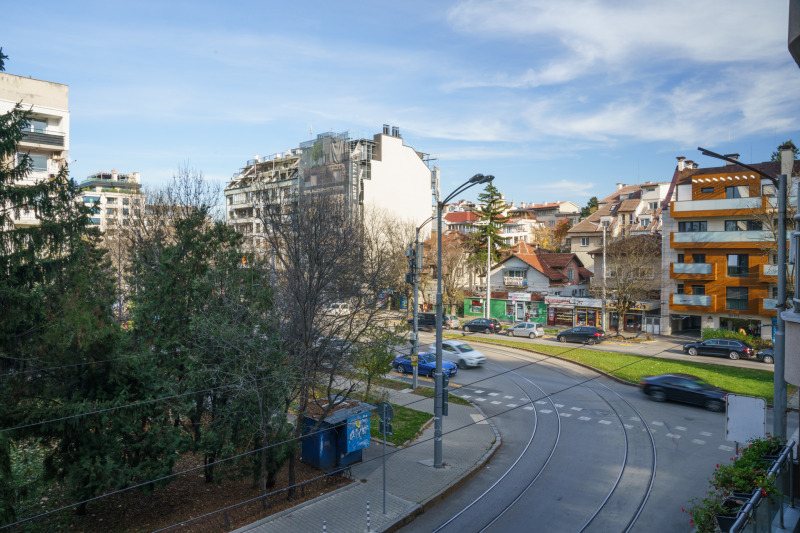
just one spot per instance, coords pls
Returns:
(339, 438)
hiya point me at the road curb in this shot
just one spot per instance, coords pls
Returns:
(433, 500)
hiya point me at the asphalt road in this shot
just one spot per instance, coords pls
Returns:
(577, 452)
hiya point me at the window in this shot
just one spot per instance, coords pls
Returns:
(707, 190)
(681, 258)
(698, 258)
(111, 200)
(95, 221)
(775, 292)
(692, 226)
(126, 201)
(698, 289)
(584, 241)
(111, 211)
(738, 265)
(742, 225)
(91, 199)
(767, 190)
(680, 289)
(736, 298)
(570, 274)
(125, 212)
(737, 191)
(38, 162)
(653, 206)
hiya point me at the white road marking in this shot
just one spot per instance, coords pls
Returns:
(584, 418)
(628, 426)
(478, 392)
(523, 400)
(673, 436)
(508, 397)
(606, 422)
(542, 402)
(698, 441)
(657, 423)
(511, 405)
(495, 403)
(494, 394)
(546, 411)
(480, 399)
(529, 408)
(577, 408)
(478, 419)
(559, 405)
(680, 428)
(726, 448)
(705, 433)
(565, 415)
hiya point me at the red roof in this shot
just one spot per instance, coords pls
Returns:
(460, 217)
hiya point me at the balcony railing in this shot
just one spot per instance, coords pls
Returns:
(722, 236)
(515, 281)
(52, 139)
(692, 268)
(770, 270)
(769, 304)
(718, 205)
(700, 300)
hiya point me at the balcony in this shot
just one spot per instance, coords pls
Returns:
(752, 237)
(721, 204)
(768, 273)
(769, 304)
(697, 300)
(50, 139)
(693, 270)
(515, 281)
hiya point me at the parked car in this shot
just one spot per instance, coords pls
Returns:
(483, 325)
(426, 365)
(732, 348)
(460, 353)
(684, 388)
(427, 321)
(338, 309)
(526, 329)
(585, 334)
(766, 356)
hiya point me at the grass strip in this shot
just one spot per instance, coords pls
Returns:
(427, 392)
(406, 425)
(745, 381)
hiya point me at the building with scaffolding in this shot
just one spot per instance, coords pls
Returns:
(380, 173)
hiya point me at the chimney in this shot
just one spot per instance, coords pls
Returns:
(787, 158)
(732, 156)
(690, 164)
(395, 131)
(620, 185)
(386, 129)
(681, 165)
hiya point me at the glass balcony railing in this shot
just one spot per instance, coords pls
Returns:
(717, 205)
(692, 268)
(723, 236)
(769, 304)
(770, 270)
(701, 300)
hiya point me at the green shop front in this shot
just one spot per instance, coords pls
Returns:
(511, 306)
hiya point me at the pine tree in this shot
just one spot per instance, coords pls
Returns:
(492, 220)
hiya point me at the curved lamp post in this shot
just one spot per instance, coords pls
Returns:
(438, 397)
(415, 334)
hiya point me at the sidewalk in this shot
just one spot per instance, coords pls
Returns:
(411, 481)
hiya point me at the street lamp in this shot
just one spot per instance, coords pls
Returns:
(415, 334)
(438, 397)
(779, 387)
(603, 312)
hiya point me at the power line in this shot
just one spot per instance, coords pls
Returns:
(303, 437)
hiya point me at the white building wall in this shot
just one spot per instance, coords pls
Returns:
(401, 182)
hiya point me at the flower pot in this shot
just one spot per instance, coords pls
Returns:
(725, 523)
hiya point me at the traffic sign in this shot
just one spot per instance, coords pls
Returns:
(385, 428)
(414, 359)
(385, 412)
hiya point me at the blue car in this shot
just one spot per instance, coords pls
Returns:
(426, 365)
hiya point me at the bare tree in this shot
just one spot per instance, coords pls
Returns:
(323, 253)
(455, 265)
(633, 272)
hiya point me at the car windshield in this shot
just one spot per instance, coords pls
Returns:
(428, 357)
(463, 347)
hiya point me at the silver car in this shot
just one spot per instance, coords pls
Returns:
(451, 321)
(460, 353)
(526, 329)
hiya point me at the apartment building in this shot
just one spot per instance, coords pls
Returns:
(114, 196)
(549, 214)
(381, 173)
(719, 249)
(46, 136)
(630, 209)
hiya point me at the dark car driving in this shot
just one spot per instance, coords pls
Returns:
(684, 388)
(483, 325)
(766, 356)
(731, 348)
(585, 334)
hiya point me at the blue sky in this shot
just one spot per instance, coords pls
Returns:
(559, 100)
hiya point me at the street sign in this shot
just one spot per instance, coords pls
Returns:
(414, 359)
(385, 412)
(385, 428)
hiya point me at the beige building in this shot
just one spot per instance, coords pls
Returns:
(46, 136)
(117, 197)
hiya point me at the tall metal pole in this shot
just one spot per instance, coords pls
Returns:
(437, 379)
(488, 270)
(779, 392)
(415, 342)
(603, 312)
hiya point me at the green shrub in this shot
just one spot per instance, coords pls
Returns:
(757, 342)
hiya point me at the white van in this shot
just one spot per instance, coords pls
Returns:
(338, 309)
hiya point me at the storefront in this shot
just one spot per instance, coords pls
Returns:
(588, 312)
(560, 311)
(516, 307)
(634, 319)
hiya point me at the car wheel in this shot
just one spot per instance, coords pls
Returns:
(562, 338)
(466, 329)
(511, 333)
(768, 359)
(658, 395)
(715, 406)
(532, 336)
(692, 351)
(462, 364)
(400, 369)
(590, 341)
(734, 355)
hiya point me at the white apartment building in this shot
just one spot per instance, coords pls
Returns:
(46, 137)
(381, 173)
(117, 196)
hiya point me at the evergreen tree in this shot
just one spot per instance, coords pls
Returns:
(591, 206)
(492, 220)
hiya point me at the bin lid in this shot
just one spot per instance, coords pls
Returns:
(345, 410)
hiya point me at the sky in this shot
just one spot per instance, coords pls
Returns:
(559, 100)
